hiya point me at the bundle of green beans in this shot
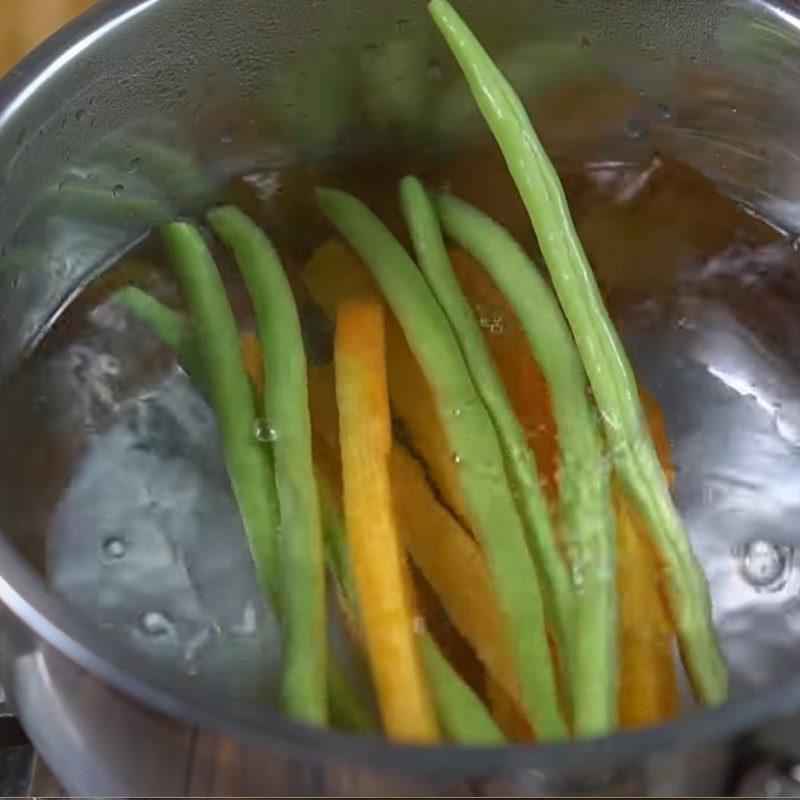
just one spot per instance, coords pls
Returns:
(290, 521)
(609, 371)
(462, 713)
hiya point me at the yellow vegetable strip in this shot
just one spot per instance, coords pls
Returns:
(386, 609)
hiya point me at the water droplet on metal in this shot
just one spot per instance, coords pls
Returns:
(765, 565)
(665, 111)
(113, 549)
(156, 624)
(635, 129)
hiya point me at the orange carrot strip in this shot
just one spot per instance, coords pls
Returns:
(454, 565)
(648, 687)
(386, 609)
(253, 361)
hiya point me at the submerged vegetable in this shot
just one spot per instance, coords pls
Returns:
(286, 414)
(435, 264)
(384, 604)
(215, 340)
(609, 371)
(584, 494)
(475, 452)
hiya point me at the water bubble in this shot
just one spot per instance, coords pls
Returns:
(665, 111)
(227, 136)
(80, 114)
(765, 565)
(263, 432)
(457, 412)
(113, 548)
(635, 129)
(156, 624)
(133, 164)
(456, 458)
(586, 41)
(117, 191)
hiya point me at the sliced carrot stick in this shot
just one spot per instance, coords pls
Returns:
(449, 559)
(453, 564)
(386, 608)
(648, 687)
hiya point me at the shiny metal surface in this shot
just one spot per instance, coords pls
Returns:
(89, 132)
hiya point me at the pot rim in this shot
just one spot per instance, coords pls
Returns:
(26, 595)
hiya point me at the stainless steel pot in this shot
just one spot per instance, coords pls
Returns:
(166, 99)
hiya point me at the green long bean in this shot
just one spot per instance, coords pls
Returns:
(610, 373)
(216, 339)
(584, 491)
(476, 451)
(286, 411)
(432, 258)
(462, 715)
